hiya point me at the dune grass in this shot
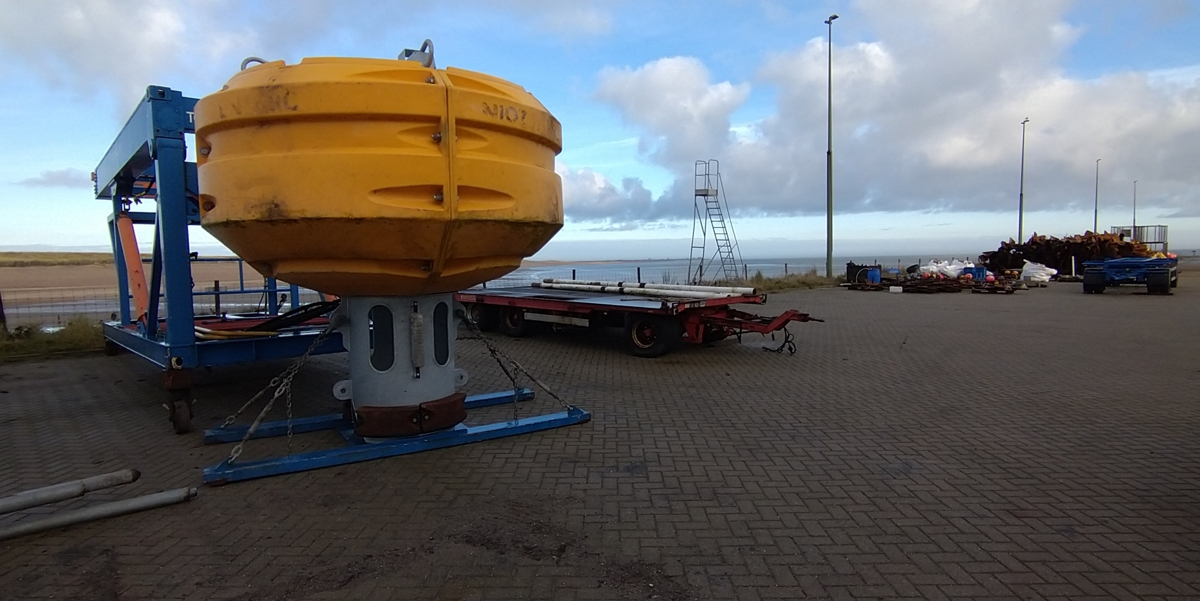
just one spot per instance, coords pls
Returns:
(29, 342)
(792, 281)
(53, 259)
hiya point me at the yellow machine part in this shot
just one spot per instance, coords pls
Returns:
(371, 177)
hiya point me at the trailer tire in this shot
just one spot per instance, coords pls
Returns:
(486, 317)
(652, 335)
(1158, 281)
(513, 323)
(1093, 281)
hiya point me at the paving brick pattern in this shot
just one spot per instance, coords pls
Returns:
(1035, 446)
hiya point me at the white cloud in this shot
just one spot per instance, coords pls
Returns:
(589, 196)
(1180, 76)
(59, 178)
(76, 43)
(925, 118)
(673, 99)
(926, 113)
(574, 20)
(121, 46)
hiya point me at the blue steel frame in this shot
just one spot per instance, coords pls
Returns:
(150, 152)
(358, 450)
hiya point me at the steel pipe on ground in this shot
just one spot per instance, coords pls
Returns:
(107, 510)
(688, 287)
(66, 490)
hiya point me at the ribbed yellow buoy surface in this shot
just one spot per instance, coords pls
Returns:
(371, 177)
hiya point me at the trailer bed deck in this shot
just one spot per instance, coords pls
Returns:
(655, 319)
(602, 301)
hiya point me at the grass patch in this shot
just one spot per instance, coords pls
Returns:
(792, 281)
(51, 259)
(27, 342)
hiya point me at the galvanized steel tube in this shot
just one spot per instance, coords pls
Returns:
(106, 510)
(687, 287)
(66, 490)
(682, 294)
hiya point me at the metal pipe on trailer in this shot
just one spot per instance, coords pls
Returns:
(636, 291)
(106, 510)
(685, 287)
(66, 490)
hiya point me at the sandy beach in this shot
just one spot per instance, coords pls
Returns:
(205, 273)
(101, 276)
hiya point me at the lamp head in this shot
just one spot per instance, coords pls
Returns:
(1025, 121)
(831, 19)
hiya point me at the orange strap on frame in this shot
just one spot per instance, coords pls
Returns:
(133, 267)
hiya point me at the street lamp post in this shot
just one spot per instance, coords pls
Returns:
(1133, 234)
(1021, 197)
(1096, 211)
(829, 163)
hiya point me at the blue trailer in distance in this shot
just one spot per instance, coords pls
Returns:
(1159, 276)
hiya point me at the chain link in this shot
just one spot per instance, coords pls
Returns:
(283, 387)
(289, 420)
(282, 384)
(516, 368)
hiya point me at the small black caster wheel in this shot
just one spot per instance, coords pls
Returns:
(181, 416)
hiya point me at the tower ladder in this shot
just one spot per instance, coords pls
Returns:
(710, 207)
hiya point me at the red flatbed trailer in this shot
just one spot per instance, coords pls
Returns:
(656, 318)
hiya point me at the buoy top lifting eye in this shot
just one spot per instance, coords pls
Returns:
(252, 59)
(423, 56)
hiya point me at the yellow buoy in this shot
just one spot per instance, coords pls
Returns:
(372, 177)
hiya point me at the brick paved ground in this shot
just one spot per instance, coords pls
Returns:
(1041, 445)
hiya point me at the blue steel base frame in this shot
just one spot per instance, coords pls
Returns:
(359, 450)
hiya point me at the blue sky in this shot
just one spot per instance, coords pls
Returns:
(928, 99)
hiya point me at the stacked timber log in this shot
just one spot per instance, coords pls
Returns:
(1059, 252)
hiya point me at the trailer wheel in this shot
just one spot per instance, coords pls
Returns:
(1158, 281)
(181, 416)
(1093, 281)
(513, 323)
(486, 317)
(651, 335)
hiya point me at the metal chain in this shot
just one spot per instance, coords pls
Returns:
(283, 387)
(254, 399)
(496, 354)
(501, 357)
(289, 419)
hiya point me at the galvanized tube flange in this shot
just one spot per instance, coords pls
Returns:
(66, 490)
(106, 510)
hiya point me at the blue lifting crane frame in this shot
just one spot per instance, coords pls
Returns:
(150, 154)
